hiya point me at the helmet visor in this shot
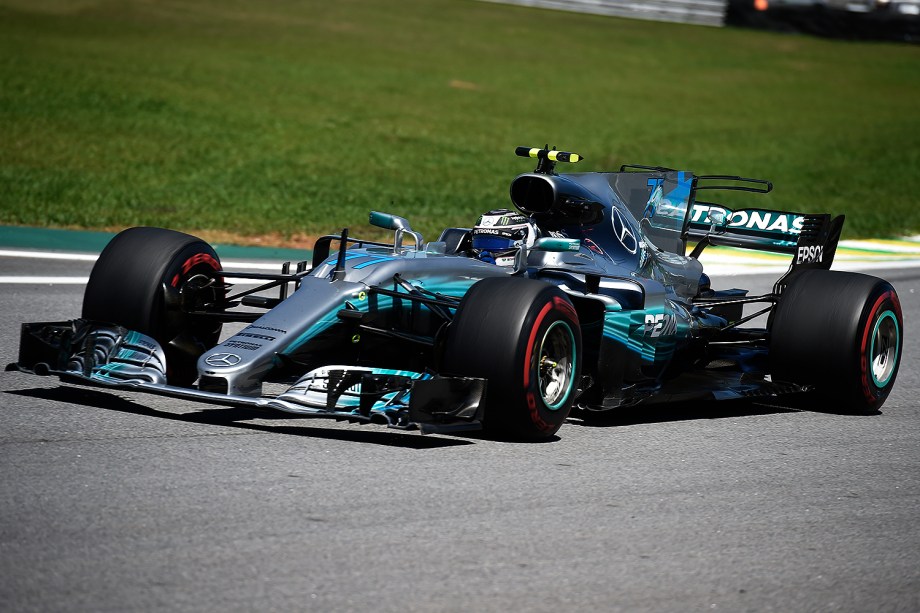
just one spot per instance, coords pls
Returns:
(492, 242)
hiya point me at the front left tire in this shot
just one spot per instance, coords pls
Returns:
(524, 338)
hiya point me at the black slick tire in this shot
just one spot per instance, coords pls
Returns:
(145, 280)
(841, 332)
(524, 338)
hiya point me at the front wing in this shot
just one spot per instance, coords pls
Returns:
(90, 353)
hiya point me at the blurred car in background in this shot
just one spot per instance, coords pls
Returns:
(849, 19)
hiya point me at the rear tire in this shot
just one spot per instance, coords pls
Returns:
(841, 332)
(145, 280)
(523, 337)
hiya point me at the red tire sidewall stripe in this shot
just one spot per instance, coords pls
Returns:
(558, 304)
(195, 260)
(531, 342)
(867, 387)
(564, 307)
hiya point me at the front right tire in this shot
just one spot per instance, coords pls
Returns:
(146, 280)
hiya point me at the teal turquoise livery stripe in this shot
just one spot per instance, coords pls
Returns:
(652, 334)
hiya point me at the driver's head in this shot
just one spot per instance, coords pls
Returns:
(499, 235)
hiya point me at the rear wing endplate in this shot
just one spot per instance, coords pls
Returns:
(816, 246)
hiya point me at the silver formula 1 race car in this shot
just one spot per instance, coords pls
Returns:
(583, 296)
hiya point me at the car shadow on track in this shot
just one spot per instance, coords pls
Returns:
(238, 417)
(684, 411)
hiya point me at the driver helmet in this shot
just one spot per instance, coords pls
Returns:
(499, 235)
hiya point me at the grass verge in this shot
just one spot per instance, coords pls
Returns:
(292, 119)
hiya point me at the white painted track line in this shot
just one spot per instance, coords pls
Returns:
(852, 255)
(88, 257)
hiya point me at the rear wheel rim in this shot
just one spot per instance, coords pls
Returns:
(557, 365)
(883, 351)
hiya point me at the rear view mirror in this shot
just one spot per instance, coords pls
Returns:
(388, 222)
(397, 223)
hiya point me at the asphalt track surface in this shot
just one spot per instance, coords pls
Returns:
(128, 502)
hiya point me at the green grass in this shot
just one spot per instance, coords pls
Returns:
(297, 117)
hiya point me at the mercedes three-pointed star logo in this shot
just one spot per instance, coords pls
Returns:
(222, 359)
(623, 232)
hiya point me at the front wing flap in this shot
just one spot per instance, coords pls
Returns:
(399, 398)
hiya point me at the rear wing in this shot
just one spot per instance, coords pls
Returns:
(749, 228)
(811, 238)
